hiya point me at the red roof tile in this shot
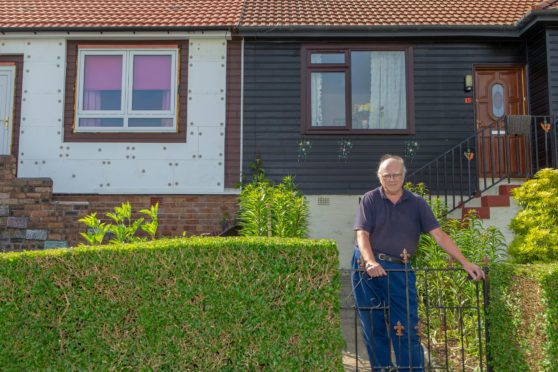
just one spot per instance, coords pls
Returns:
(118, 13)
(385, 12)
(263, 13)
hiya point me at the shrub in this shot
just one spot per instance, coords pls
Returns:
(523, 317)
(536, 226)
(179, 305)
(268, 210)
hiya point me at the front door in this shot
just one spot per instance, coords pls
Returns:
(499, 92)
(7, 80)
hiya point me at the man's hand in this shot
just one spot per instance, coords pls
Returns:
(474, 271)
(374, 269)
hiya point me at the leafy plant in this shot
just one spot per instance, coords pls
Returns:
(96, 229)
(536, 225)
(124, 227)
(151, 227)
(268, 210)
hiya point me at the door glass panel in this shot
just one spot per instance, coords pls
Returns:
(328, 99)
(498, 100)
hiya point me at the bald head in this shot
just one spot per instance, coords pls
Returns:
(391, 160)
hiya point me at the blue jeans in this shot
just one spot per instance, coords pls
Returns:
(379, 308)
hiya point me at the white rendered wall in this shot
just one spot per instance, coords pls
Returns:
(333, 217)
(194, 167)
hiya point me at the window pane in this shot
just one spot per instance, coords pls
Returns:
(498, 100)
(327, 58)
(328, 99)
(149, 122)
(378, 90)
(102, 123)
(102, 82)
(152, 82)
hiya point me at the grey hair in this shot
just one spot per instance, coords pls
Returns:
(387, 157)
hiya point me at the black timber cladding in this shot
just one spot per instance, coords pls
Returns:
(537, 73)
(443, 118)
(552, 58)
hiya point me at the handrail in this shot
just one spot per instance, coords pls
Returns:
(510, 146)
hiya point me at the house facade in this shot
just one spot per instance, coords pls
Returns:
(131, 101)
(169, 102)
(332, 86)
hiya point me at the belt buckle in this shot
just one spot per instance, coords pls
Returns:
(383, 257)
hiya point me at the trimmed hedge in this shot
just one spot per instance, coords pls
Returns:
(177, 304)
(523, 317)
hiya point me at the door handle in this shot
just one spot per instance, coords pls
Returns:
(6, 121)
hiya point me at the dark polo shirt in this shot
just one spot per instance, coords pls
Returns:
(394, 227)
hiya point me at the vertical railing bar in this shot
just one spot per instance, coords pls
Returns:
(437, 179)
(501, 151)
(390, 340)
(453, 177)
(459, 155)
(484, 158)
(490, 145)
(461, 326)
(536, 141)
(446, 179)
(427, 307)
(486, 295)
(479, 325)
(409, 327)
(507, 149)
(356, 328)
(446, 337)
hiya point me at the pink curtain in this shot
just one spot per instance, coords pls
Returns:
(100, 73)
(154, 73)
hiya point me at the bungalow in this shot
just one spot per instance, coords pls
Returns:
(169, 101)
(330, 86)
(118, 101)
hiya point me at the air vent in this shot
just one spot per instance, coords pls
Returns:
(323, 200)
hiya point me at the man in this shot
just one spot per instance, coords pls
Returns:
(389, 222)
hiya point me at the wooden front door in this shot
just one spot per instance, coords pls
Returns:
(499, 92)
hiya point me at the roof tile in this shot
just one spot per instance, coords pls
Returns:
(119, 13)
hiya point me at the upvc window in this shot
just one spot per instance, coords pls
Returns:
(360, 89)
(127, 90)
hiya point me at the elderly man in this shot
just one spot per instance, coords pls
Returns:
(389, 221)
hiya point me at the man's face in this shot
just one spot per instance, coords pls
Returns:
(391, 177)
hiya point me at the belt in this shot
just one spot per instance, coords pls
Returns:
(385, 257)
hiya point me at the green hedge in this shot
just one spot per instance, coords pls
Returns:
(523, 317)
(181, 304)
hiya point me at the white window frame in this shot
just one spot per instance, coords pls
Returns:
(126, 111)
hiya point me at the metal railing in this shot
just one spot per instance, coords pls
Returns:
(510, 147)
(452, 328)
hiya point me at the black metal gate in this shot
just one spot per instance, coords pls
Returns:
(452, 326)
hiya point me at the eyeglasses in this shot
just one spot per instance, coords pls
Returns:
(391, 175)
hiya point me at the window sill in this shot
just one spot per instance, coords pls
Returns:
(155, 137)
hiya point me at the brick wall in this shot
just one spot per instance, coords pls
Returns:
(31, 217)
(193, 214)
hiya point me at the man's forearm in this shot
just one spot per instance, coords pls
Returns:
(363, 242)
